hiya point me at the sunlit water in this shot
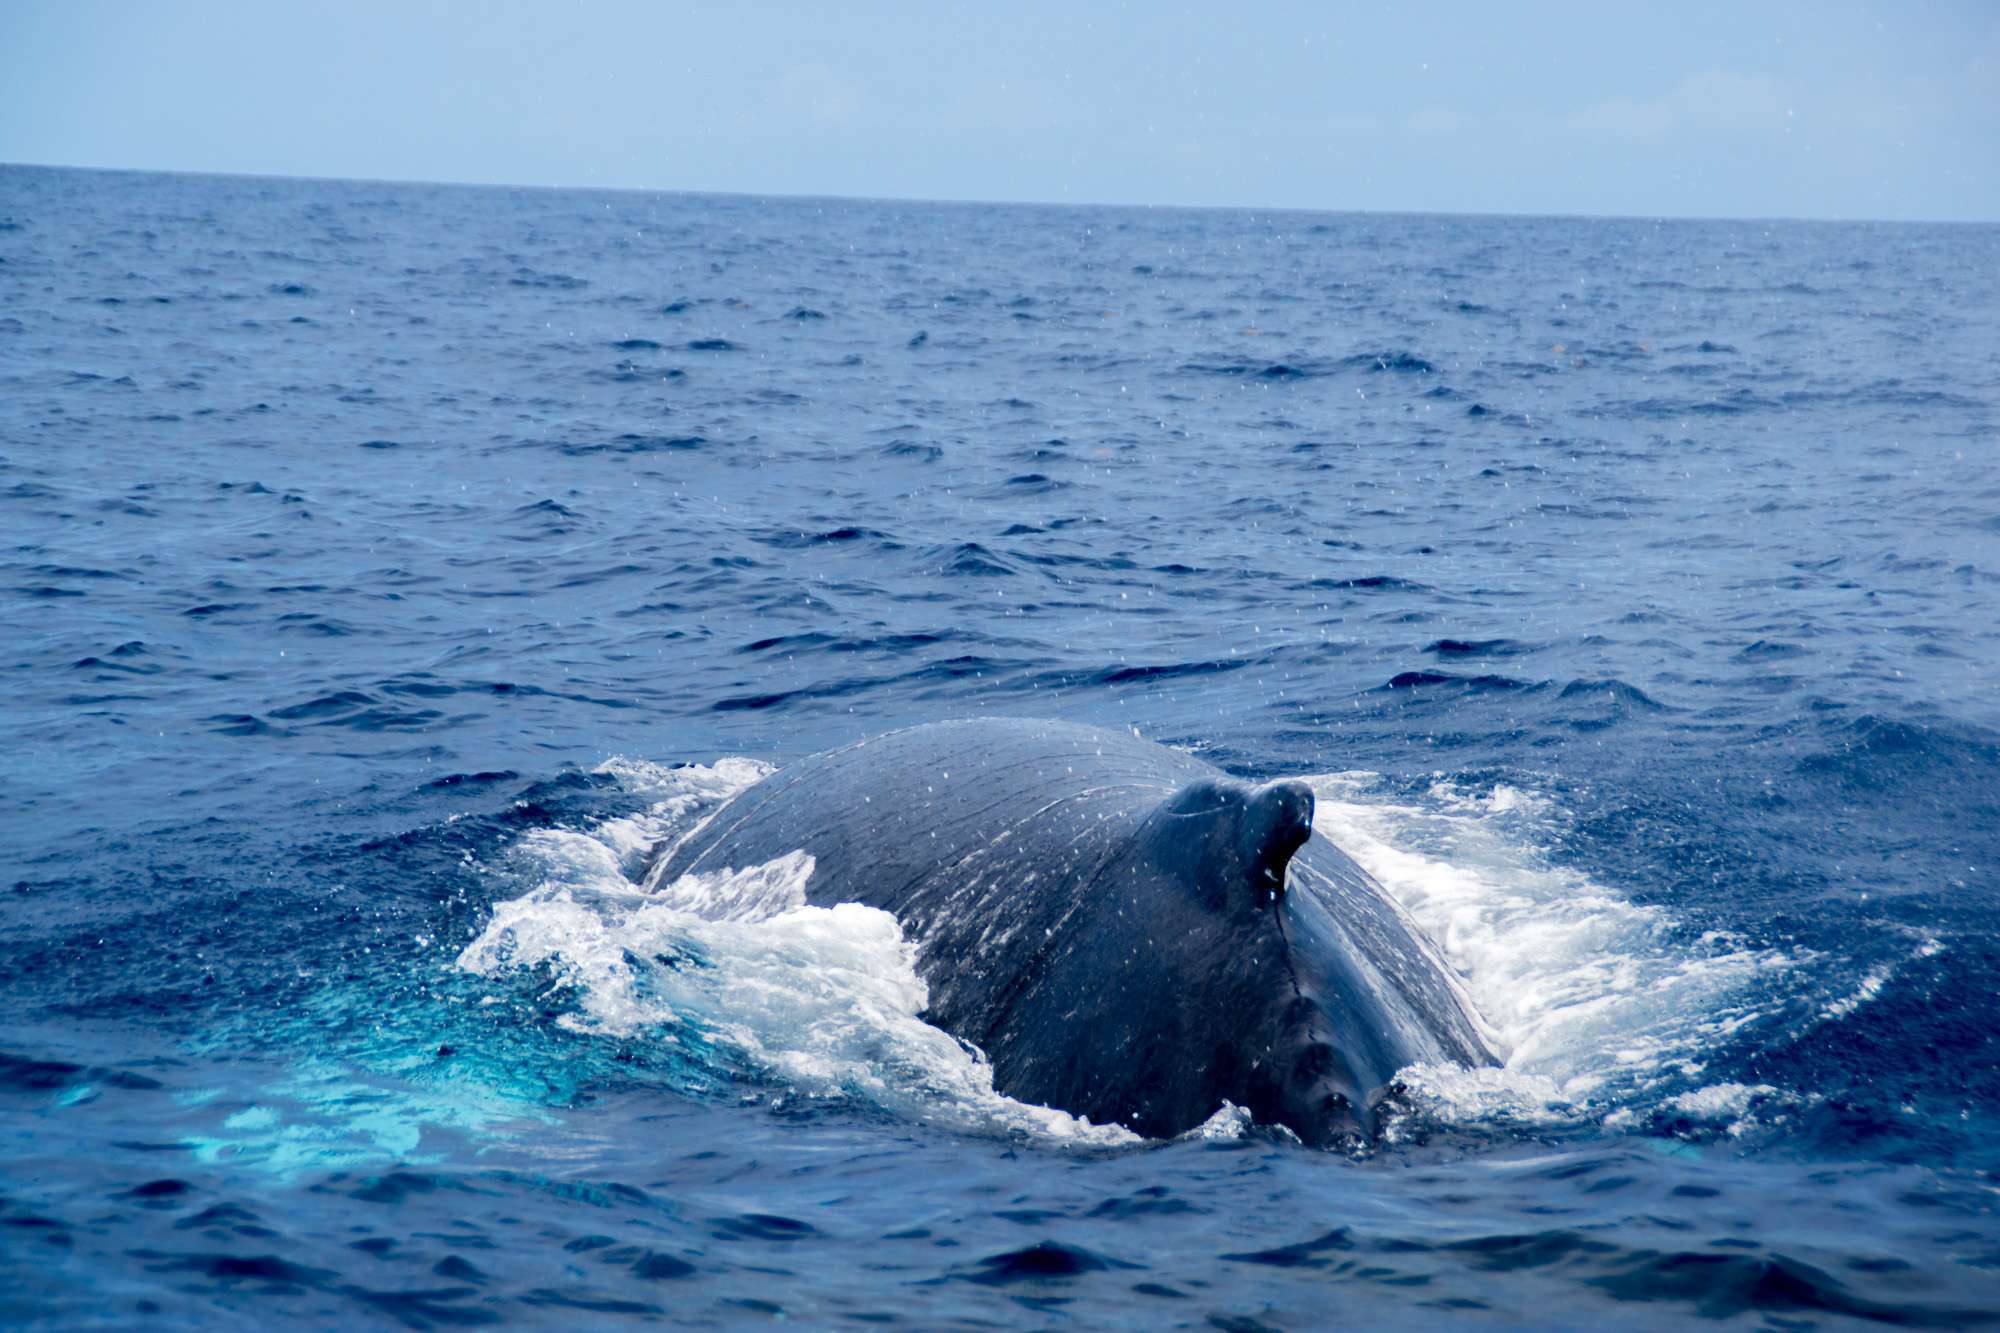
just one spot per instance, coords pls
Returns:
(388, 568)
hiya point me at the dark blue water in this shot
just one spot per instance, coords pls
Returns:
(375, 556)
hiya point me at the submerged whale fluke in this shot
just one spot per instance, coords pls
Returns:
(1126, 932)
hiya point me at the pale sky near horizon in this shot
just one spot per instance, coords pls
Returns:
(1836, 109)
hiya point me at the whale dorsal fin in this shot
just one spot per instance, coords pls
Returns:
(1277, 821)
(1239, 837)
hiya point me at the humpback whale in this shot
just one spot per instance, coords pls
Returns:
(1126, 932)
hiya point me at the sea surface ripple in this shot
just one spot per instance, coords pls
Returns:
(386, 565)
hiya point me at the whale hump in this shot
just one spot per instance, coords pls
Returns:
(1125, 932)
(1239, 837)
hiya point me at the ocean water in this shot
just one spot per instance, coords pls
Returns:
(386, 567)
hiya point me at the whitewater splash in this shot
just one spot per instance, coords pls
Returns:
(1602, 1009)
(1600, 1006)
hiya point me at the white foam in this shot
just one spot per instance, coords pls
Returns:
(754, 893)
(1876, 978)
(676, 795)
(825, 999)
(1725, 1102)
(1867, 989)
(1592, 998)
(1230, 1121)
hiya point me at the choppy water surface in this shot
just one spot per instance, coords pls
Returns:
(385, 567)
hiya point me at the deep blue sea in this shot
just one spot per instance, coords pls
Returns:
(383, 568)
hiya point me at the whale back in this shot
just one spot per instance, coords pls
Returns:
(1126, 932)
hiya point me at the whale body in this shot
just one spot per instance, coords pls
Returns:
(1127, 933)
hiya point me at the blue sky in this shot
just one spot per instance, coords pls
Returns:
(1832, 109)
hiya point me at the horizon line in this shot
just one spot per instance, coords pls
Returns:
(810, 197)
